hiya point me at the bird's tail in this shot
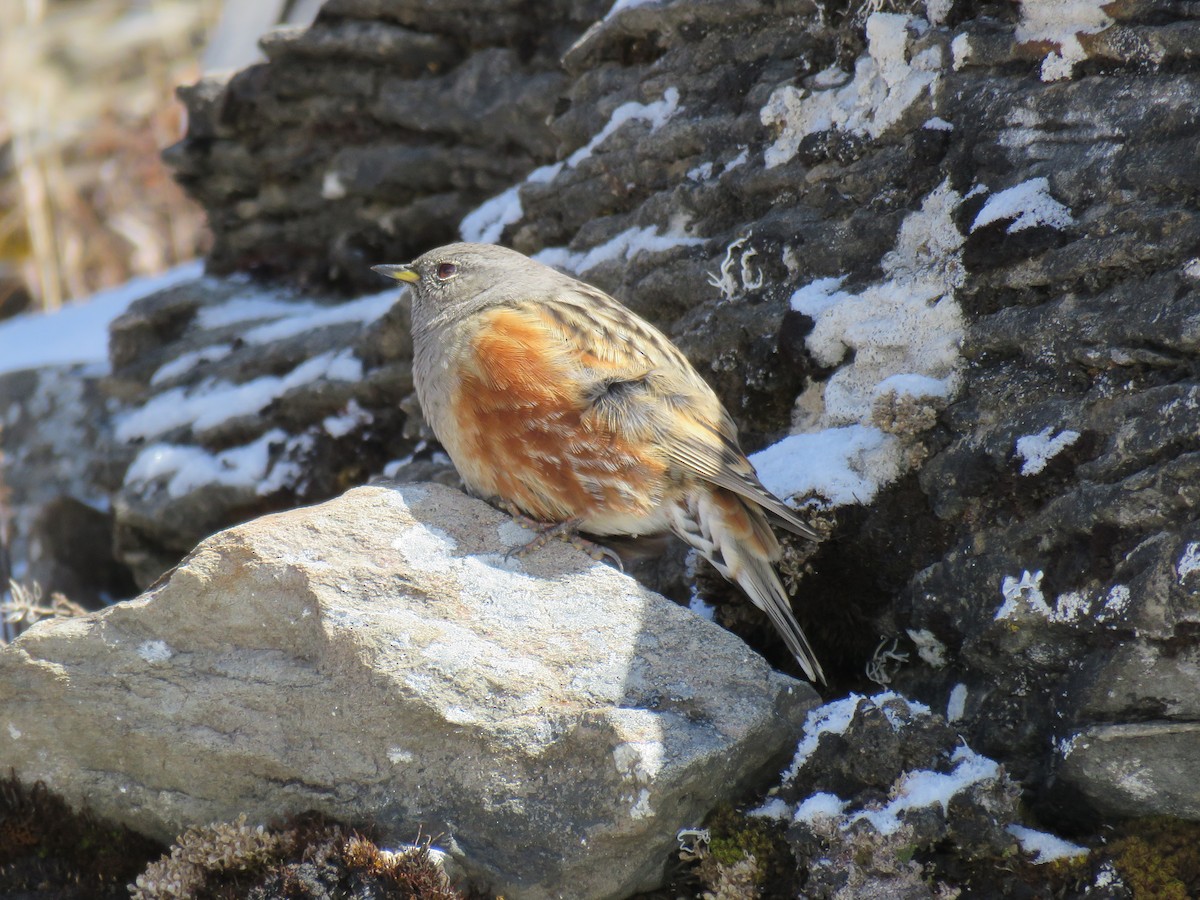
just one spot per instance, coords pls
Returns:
(735, 537)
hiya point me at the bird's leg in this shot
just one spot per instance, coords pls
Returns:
(565, 531)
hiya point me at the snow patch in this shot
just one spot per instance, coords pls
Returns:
(925, 787)
(626, 245)
(901, 338)
(1036, 450)
(1028, 204)
(1046, 847)
(956, 705)
(353, 418)
(888, 80)
(213, 402)
(187, 468)
(1189, 562)
(820, 805)
(773, 808)
(487, 222)
(842, 465)
(185, 362)
(628, 4)
(831, 718)
(78, 333)
(306, 317)
(1060, 22)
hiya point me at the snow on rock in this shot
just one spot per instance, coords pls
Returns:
(903, 333)
(901, 337)
(1046, 847)
(487, 222)
(214, 402)
(841, 465)
(1036, 450)
(353, 418)
(1027, 588)
(889, 79)
(1028, 204)
(820, 805)
(185, 362)
(627, 4)
(1189, 562)
(626, 245)
(923, 788)
(79, 333)
(1060, 22)
(831, 718)
(185, 468)
(956, 705)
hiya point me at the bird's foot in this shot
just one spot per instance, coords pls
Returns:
(567, 531)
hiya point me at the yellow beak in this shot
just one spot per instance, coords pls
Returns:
(399, 272)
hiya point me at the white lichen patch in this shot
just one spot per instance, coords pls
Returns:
(902, 334)
(639, 761)
(889, 79)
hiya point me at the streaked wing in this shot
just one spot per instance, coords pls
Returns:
(642, 386)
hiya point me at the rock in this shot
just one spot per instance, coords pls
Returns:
(449, 102)
(241, 400)
(378, 658)
(60, 464)
(883, 799)
(1137, 769)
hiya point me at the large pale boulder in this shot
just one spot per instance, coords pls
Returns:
(379, 658)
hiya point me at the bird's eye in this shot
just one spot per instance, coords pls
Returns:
(447, 270)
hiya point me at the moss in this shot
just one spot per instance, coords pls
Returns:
(1158, 857)
(47, 846)
(751, 848)
(308, 857)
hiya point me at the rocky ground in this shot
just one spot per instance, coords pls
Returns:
(940, 260)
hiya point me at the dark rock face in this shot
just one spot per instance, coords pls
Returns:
(371, 134)
(880, 792)
(243, 401)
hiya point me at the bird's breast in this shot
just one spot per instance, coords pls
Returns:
(517, 428)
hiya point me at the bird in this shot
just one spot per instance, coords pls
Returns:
(561, 405)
